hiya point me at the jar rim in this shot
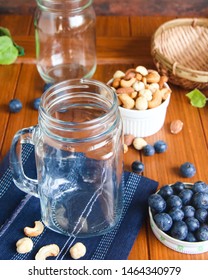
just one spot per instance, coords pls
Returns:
(71, 6)
(56, 94)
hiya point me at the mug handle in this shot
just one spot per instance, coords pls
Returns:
(28, 185)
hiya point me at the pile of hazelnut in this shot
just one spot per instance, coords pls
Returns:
(139, 88)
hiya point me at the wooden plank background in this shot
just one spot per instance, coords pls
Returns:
(117, 7)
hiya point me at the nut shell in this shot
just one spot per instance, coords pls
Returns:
(176, 126)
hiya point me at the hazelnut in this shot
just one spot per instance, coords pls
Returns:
(139, 143)
(176, 126)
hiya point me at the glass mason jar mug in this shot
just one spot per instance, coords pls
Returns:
(65, 39)
(79, 158)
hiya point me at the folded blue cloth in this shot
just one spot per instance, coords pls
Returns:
(19, 209)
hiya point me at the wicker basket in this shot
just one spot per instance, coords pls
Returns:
(180, 50)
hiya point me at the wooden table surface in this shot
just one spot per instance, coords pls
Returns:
(122, 42)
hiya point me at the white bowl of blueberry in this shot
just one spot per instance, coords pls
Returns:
(179, 216)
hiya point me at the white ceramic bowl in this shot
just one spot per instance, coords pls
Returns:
(175, 244)
(143, 123)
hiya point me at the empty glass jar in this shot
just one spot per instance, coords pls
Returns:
(79, 158)
(65, 39)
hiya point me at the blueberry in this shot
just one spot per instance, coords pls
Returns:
(189, 211)
(137, 166)
(176, 214)
(178, 187)
(166, 191)
(191, 237)
(174, 201)
(200, 200)
(187, 170)
(201, 215)
(148, 150)
(186, 195)
(47, 86)
(160, 146)
(36, 103)
(192, 224)
(202, 233)
(200, 186)
(156, 203)
(15, 105)
(179, 230)
(163, 221)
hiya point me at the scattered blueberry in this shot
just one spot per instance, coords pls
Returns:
(176, 214)
(186, 195)
(166, 191)
(202, 233)
(15, 105)
(200, 186)
(179, 230)
(201, 215)
(174, 201)
(137, 166)
(200, 200)
(178, 187)
(148, 150)
(156, 203)
(187, 170)
(47, 86)
(163, 221)
(36, 103)
(160, 146)
(192, 224)
(189, 211)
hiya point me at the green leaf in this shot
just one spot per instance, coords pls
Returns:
(8, 52)
(5, 32)
(20, 49)
(197, 98)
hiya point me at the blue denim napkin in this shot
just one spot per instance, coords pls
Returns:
(18, 209)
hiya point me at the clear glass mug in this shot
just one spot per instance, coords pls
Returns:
(65, 33)
(78, 146)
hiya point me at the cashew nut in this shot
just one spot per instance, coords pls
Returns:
(51, 250)
(142, 70)
(141, 103)
(35, 231)
(153, 77)
(165, 93)
(24, 245)
(162, 81)
(125, 147)
(116, 82)
(126, 84)
(77, 251)
(118, 74)
(133, 94)
(138, 86)
(137, 83)
(127, 101)
(146, 93)
(153, 87)
(156, 99)
(138, 76)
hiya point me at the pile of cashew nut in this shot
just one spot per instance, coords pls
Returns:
(139, 88)
(25, 245)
